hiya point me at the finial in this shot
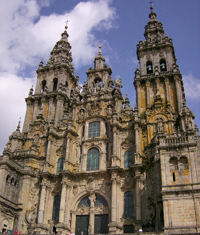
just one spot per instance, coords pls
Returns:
(18, 126)
(151, 5)
(66, 24)
(100, 49)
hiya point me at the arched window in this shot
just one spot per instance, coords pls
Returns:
(60, 164)
(100, 200)
(149, 67)
(93, 159)
(12, 181)
(173, 163)
(85, 201)
(94, 129)
(56, 208)
(128, 205)
(163, 66)
(8, 179)
(44, 82)
(16, 183)
(128, 159)
(183, 163)
(55, 84)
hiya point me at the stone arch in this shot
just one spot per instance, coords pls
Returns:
(173, 162)
(183, 163)
(163, 65)
(149, 67)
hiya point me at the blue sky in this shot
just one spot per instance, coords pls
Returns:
(31, 28)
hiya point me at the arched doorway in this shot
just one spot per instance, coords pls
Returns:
(92, 215)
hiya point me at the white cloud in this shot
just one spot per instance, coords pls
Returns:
(26, 37)
(192, 87)
(13, 90)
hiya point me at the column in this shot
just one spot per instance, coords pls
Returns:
(86, 130)
(35, 109)
(50, 109)
(148, 93)
(62, 202)
(137, 154)
(66, 217)
(26, 120)
(92, 198)
(42, 204)
(59, 109)
(48, 151)
(167, 90)
(114, 198)
(138, 195)
(138, 96)
(67, 149)
(114, 142)
(178, 93)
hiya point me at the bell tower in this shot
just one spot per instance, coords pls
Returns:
(160, 93)
(168, 138)
(55, 81)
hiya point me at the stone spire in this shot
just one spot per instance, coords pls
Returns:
(61, 55)
(154, 29)
(99, 60)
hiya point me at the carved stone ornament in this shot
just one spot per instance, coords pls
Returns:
(60, 151)
(81, 114)
(94, 109)
(75, 190)
(31, 215)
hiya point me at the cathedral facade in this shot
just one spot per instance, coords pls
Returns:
(86, 162)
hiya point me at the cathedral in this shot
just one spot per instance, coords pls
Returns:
(86, 162)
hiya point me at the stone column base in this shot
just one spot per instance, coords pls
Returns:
(115, 228)
(39, 228)
(61, 227)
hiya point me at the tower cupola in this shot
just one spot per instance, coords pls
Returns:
(163, 57)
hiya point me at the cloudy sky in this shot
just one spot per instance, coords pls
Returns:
(30, 28)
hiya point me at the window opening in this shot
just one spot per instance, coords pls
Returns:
(173, 164)
(85, 201)
(100, 200)
(128, 205)
(94, 129)
(107, 130)
(60, 164)
(163, 66)
(183, 163)
(128, 159)
(56, 208)
(149, 67)
(7, 178)
(174, 177)
(93, 159)
(55, 84)
(44, 82)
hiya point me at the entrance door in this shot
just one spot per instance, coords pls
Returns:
(82, 223)
(101, 224)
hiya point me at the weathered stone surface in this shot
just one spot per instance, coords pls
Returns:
(86, 152)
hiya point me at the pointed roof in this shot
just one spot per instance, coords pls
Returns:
(154, 28)
(61, 55)
(99, 59)
(154, 34)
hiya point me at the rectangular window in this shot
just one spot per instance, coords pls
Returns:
(94, 129)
